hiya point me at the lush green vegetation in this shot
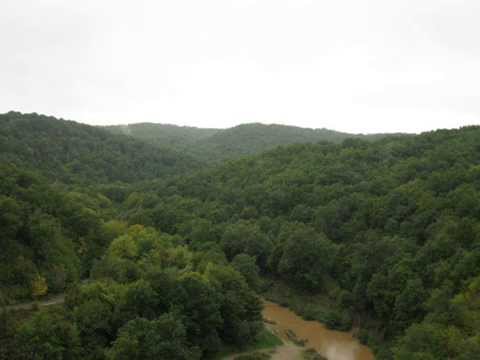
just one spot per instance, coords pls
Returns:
(70, 152)
(384, 235)
(216, 145)
(49, 237)
(393, 223)
(149, 297)
(180, 138)
(142, 284)
(264, 344)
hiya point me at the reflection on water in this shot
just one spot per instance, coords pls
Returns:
(334, 345)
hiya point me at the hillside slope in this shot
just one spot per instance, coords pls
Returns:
(250, 139)
(49, 237)
(164, 135)
(215, 145)
(69, 151)
(387, 230)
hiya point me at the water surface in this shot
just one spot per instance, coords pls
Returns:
(334, 345)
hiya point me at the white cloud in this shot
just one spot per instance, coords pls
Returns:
(360, 66)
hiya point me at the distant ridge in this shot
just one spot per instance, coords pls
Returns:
(214, 145)
(164, 135)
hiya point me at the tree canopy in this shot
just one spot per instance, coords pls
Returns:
(157, 266)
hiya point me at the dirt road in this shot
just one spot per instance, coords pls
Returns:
(54, 300)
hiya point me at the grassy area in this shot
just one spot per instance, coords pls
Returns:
(265, 340)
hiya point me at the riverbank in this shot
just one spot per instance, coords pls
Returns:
(318, 307)
(266, 342)
(304, 339)
(331, 344)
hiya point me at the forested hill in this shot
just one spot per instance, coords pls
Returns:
(256, 138)
(48, 237)
(69, 151)
(164, 135)
(147, 296)
(384, 235)
(389, 230)
(215, 145)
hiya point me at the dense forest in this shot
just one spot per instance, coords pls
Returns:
(388, 230)
(217, 145)
(180, 138)
(71, 152)
(131, 291)
(385, 232)
(49, 236)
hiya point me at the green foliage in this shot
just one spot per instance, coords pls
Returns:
(163, 338)
(72, 152)
(151, 301)
(239, 307)
(246, 238)
(49, 236)
(266, 340)
(246, 265)
(215, 145)
(180, 138)
(384, 233)
(7, 333)
(306, 258)
(39, 287)
(48, 335)
(392, 223)
(249, 139)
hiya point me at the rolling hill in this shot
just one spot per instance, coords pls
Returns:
(215, 145)
(386, 232)
(383, 235)
(164, 135)
(72, 152)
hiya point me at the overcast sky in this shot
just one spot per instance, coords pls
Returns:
(351, 65)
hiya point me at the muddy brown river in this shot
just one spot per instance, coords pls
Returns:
(334, 345)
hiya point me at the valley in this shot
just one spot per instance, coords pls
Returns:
(373, 237)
